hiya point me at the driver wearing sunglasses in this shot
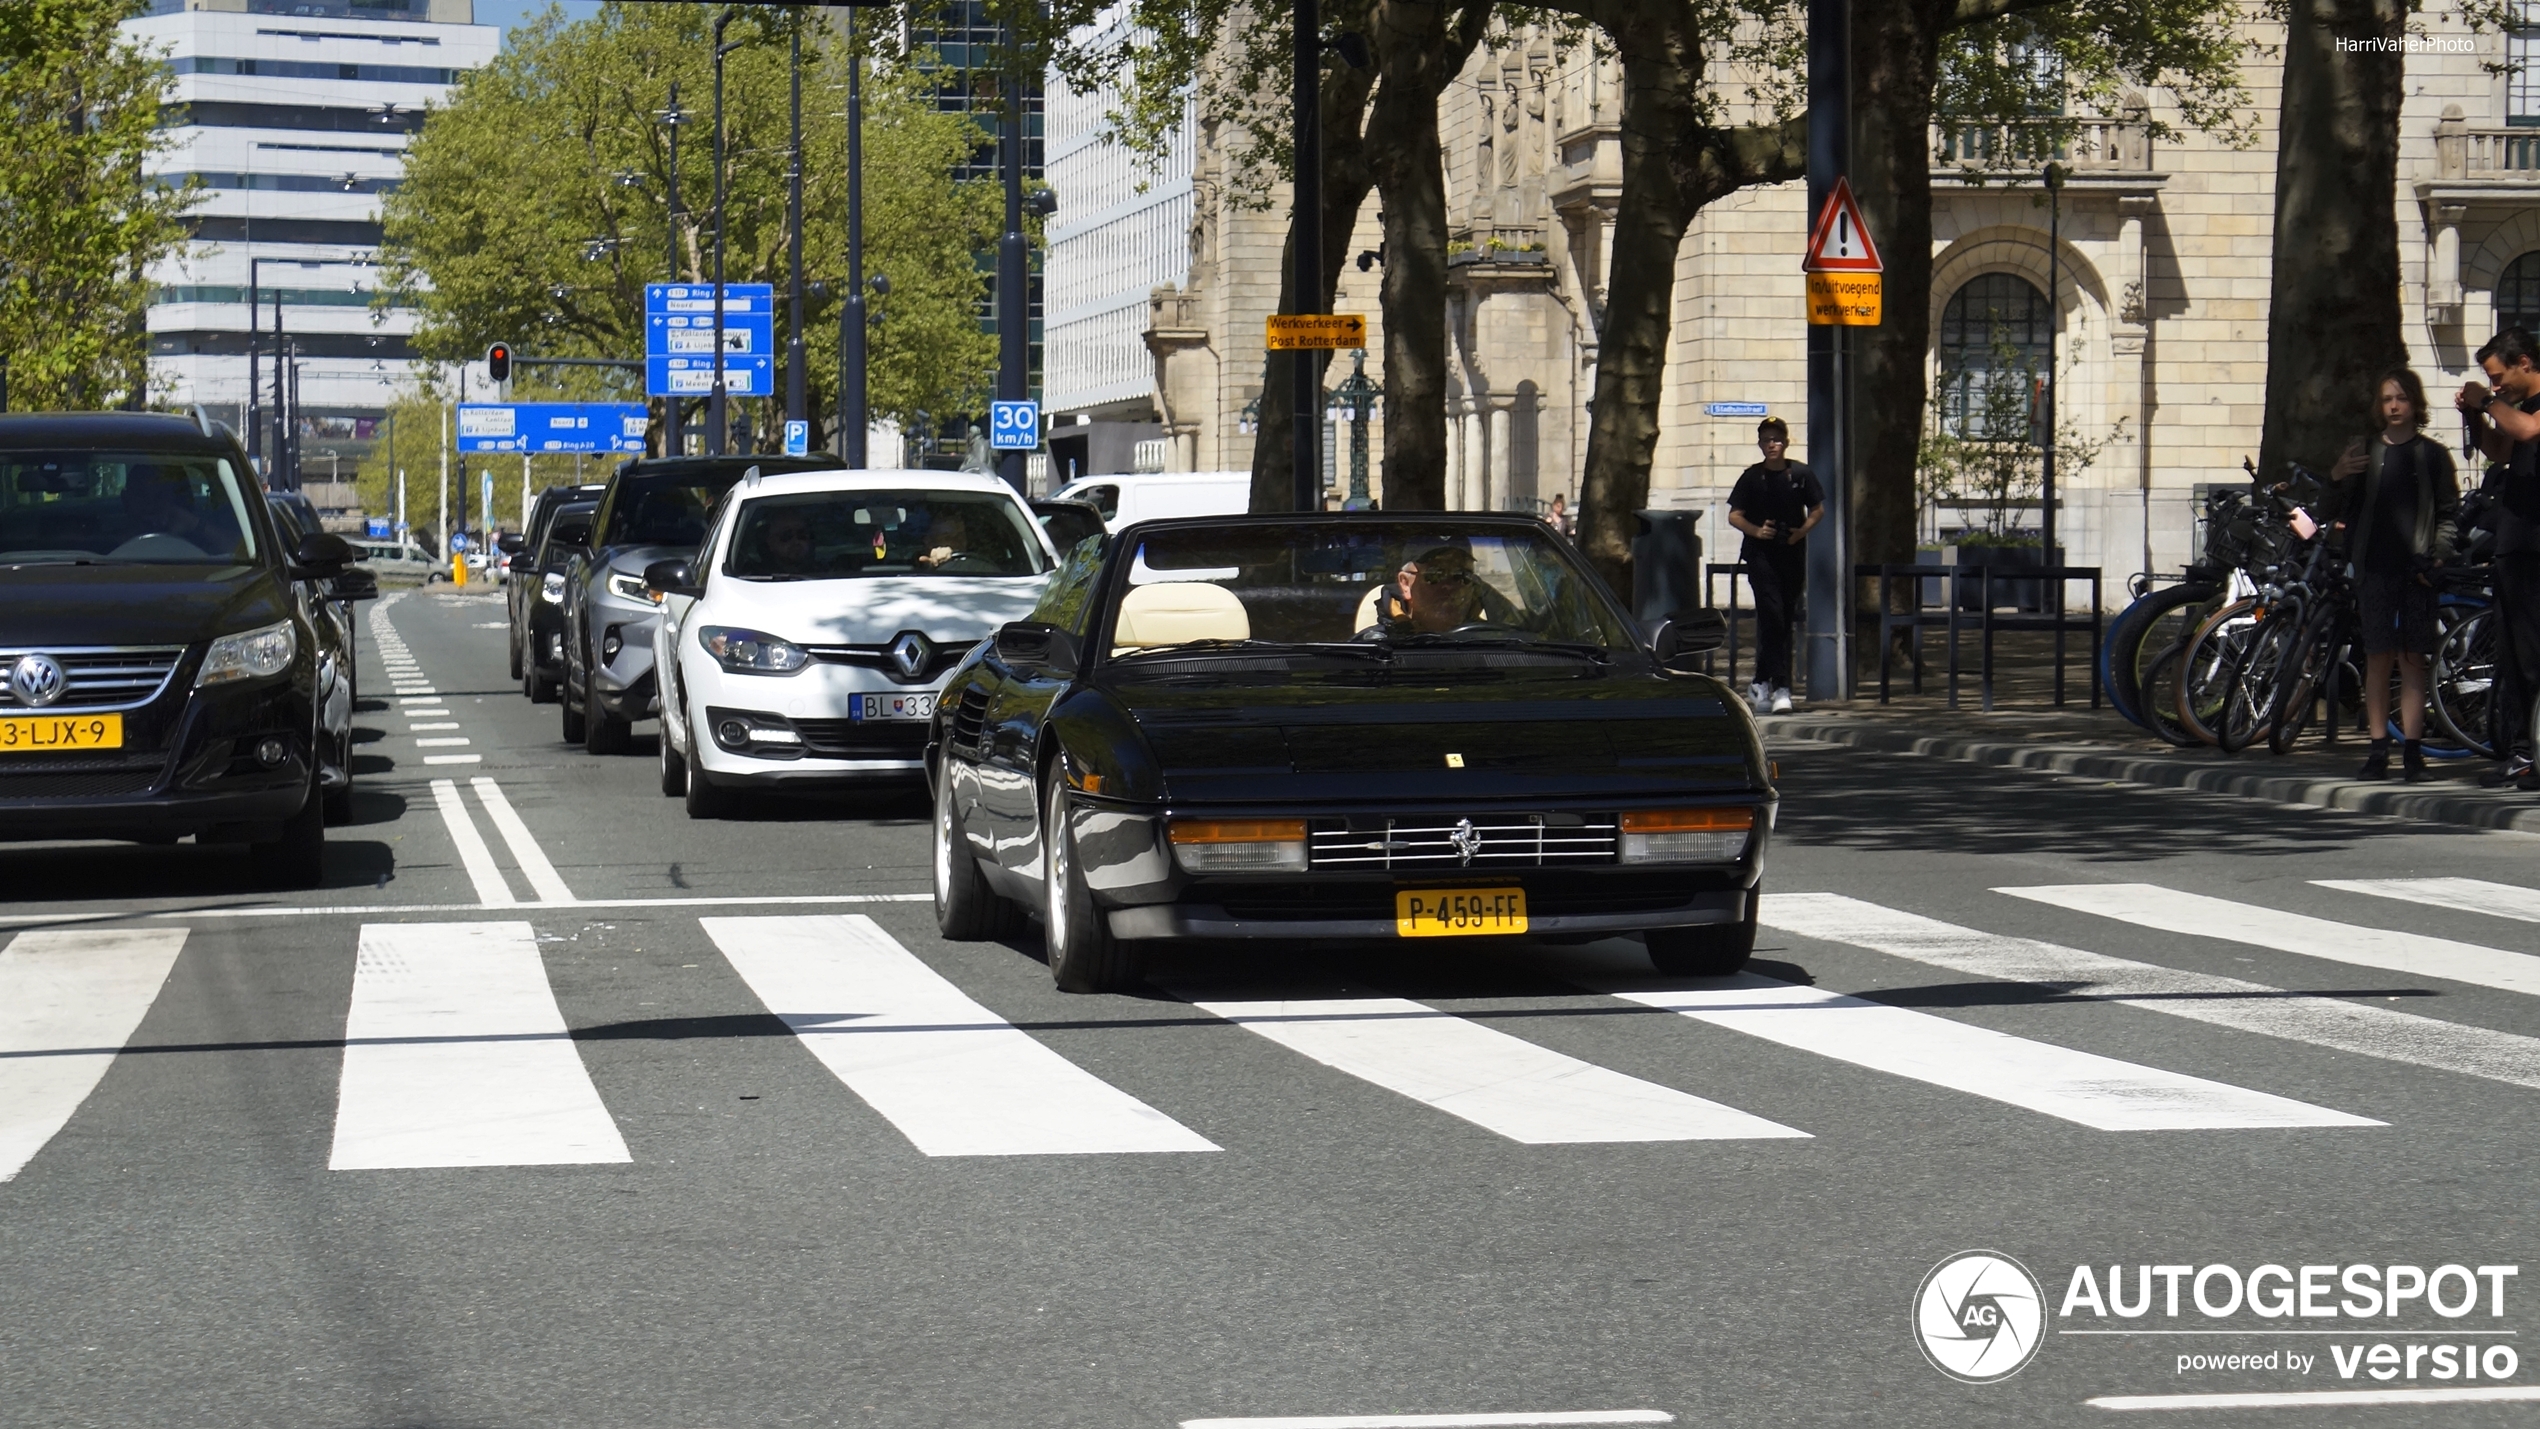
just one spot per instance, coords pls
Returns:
(1431, 595)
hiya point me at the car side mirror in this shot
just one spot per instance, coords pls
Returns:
(522, 563)
(513, 544)
(671, 578)
(322, 553)
(1685, 634)
(1037, 646)
(356, 583)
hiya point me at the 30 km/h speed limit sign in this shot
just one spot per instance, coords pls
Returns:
(1014, 426)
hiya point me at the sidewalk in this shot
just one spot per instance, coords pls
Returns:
(2026, 732)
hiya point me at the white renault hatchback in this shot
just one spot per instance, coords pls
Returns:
(805, 641)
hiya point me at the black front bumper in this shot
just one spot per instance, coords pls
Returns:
(1217, 920)
(188, 768)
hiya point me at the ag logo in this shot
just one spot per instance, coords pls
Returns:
(1978, 1316)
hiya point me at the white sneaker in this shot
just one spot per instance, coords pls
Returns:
(1758, 695)
(1781, 701)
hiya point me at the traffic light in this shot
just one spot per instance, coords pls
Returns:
(498, 362)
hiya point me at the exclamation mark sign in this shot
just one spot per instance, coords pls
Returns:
(1842, 234)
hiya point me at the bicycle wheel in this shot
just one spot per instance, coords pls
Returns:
(2204, 667)
(2160, 699)
(2464, 679)
(2272, 656)
(2138, 636)
(2320, 648)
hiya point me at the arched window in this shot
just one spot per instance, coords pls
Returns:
(1994, 335)
(2518, 294)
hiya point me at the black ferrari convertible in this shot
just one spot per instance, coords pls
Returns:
(1344, 727)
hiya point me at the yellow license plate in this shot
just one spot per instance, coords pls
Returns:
(43, 734)
(1458, 912)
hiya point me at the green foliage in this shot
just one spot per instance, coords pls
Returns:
(1989, 456)
(536, 203)
(80, 225)
(2047, 67)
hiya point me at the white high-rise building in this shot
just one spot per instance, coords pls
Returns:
(294, 115)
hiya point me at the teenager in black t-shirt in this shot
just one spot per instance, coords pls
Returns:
(1776, 503)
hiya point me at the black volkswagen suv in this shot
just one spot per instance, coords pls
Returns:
(167, 665)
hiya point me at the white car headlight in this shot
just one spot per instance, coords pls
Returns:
(551, 589)
(1709, 835)
(626, 585)
(752, 652)
(250, 655)
(1239, 845)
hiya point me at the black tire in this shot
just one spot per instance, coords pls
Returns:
(2298, 692)
(2268, 658)
(602, 732)
(674, 770)
(705, 799)
(1715, 950)
(2463, 680)
(297, 857)
(570, 717)
(540, 689)
(2160, 700)
(967, 910)
(514, 642)
(1083, 955)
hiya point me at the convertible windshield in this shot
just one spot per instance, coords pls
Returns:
(1383, 582)
(841, 535)
(167, 507)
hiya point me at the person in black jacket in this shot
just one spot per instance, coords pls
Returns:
(2398, 497)
(2505, 420)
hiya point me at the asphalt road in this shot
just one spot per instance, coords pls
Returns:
(333, 1159)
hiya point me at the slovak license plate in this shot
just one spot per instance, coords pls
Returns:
(43, 734)
(1458, 912)
(870, 709)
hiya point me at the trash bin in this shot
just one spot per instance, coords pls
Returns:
(1666, 564)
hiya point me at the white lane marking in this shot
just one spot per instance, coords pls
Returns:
(436, 710)
(2417, 954)
(2082, 1087)
(2467, 895)
(446, 742)
(532, 859)
(474, 856)
(2301, 1399)
(1525, 1092)
(366, 909)
(2322, 1021)
(454, 759)
(955, 1078)
(69, 1000)
(433, 698)
(1440, 1421)
(431, 725)
(455, 1054)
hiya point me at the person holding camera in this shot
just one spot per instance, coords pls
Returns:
(2504, 421)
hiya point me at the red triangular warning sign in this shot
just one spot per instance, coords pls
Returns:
(1841, 242)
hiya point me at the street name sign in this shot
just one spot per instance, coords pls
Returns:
(1736, 409)
(1289, 332)
(1014, 426)
(558, 427)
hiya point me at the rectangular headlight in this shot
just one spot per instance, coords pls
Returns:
(1715, 835)
(249, 655)
(1239, 845)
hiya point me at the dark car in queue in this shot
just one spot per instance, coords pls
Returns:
(521, 570)
(330, 600)
(1334, 727)
(655, 509)
(170, 668)
(1067, 522)
(538, 584)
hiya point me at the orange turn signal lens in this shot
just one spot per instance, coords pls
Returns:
(1238, 831)
(1689, 821)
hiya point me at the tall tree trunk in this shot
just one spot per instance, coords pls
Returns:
(2333, 300)
(1346, 180)
(1420, 45)
(1895, 62)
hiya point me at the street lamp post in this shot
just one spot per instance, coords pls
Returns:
(1013, 307)
(2054, 335)
(674, 118)
(1360, 394)
(853, 415)
(795, 410)
(717, 428)
(1306, 455)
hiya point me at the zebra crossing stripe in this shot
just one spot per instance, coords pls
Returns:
(1525, 1092)
(2321, 1021)
(474, 856)
(2416, 954)
(70, 998)
(455, 1054)
(2466, 895)
(955, 1078)
(2083, 1087)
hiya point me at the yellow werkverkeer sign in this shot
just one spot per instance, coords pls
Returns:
(1843, 299)
(1292, 331)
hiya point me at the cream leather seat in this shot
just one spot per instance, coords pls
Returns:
(1178, 611)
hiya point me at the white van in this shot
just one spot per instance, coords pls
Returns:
(1143, 496)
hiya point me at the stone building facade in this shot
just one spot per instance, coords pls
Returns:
(2160, 298)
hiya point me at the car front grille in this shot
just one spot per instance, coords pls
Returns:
(863, 739)
(98, 676)
(1434, 841)
(75, 784)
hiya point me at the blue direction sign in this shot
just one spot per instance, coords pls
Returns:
(1014, 426)
(541, 427)
(679, 339)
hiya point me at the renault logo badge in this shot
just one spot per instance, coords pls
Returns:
(37, 680)
(910, 652)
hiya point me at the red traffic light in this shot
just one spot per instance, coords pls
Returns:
(498, 362)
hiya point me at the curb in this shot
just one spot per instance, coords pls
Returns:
(2213, 774)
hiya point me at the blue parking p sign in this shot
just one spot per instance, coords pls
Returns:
(1014, 426)
(797, 438)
